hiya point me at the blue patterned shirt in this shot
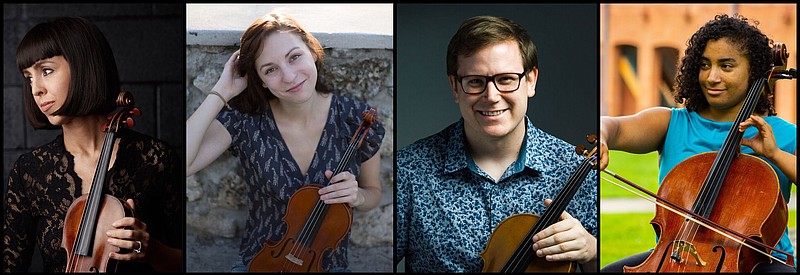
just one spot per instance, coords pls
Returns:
(272, 175)
(447, 207)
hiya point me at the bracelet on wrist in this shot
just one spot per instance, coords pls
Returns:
(220, 97)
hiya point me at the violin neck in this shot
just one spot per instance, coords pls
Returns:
(559, 204)
(551, 214)
(350, 152)
(83, 242)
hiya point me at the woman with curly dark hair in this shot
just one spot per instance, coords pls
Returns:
(722, 60)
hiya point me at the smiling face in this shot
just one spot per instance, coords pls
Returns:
(723, 75)
(286, 67)
(49, 80)
(493, 114)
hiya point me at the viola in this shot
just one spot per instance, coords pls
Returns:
(313, 227)
(90, 215)
(706, 194)
(510, 248)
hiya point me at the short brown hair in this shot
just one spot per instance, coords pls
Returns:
(94, 80)
(481, 31)
(254, 98)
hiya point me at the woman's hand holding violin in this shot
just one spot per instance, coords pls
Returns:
(129, 233)
(343, 189)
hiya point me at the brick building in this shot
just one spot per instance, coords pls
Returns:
(640, 46)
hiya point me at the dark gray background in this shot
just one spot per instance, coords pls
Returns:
(567, 92)
(148, 41)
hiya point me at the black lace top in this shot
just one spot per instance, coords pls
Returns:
(42, 184)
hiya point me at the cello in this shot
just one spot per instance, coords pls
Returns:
(313, 227)
(510, 248)
(90, 215)
(703, 188)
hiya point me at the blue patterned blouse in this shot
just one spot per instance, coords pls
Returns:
(272, 175)
(447, 207)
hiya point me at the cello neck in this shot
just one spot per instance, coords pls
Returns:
(704, 203)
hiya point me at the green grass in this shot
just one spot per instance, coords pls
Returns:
(622, 235)
(641, 169)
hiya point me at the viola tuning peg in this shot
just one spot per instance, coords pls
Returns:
(580, 149)
(136, 112)
(129, 122)
(591, 138)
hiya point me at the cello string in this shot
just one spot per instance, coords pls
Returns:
(697, 221)
(728, 152)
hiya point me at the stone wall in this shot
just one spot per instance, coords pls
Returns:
(215, 196)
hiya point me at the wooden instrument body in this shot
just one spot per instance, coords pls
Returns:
(510, 233)
(750, 203)
(90, 216)
(291, 254)
(313, 227)
(111, 210)
(510, 247)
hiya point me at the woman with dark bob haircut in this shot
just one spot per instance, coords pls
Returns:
(73, 85)
(287, 131)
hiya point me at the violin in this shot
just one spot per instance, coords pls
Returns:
(510, 247)
(313, 227)
(707, 189)
(90, 215)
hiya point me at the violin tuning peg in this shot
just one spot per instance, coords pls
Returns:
(129, 122)
(580, 149)
(136, 112)
(591, 138)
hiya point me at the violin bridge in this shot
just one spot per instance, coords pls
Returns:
(294, 259)
(684, 246)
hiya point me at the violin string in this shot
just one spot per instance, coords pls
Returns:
(549, 217)
(317, 212)
(80, 240)
(517, 259)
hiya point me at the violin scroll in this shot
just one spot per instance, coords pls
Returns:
(124, 115)
(590, 155)
(370, 116)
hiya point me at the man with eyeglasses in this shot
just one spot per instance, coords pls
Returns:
(456, 186)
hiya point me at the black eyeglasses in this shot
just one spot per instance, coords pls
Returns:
(476, 84)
